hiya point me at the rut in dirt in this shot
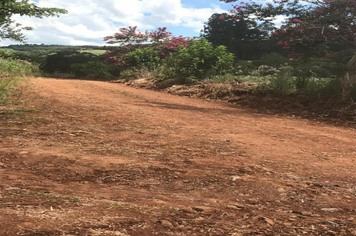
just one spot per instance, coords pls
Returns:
(96, 158)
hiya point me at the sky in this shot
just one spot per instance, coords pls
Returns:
(89, 21)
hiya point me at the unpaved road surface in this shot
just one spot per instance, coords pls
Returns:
(96, 158)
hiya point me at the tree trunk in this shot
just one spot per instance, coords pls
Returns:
(349, 80)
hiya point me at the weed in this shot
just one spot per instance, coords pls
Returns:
(73, 199)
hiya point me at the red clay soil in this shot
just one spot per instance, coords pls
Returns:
(96, 158)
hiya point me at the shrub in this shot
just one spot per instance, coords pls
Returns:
(11, 71)
(143, 58)
(17, 68)
(244, 67)
(265, 70)
(281, 83)
(273, 59)
(138, 73)
(304, 70)
(200, 60)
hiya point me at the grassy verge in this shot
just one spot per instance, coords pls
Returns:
(12, 72)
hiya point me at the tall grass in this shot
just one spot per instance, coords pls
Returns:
(12, 72)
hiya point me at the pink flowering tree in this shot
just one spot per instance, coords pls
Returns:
(311, 28)
(135, 46)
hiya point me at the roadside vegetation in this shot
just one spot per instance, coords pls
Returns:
(12, 72)
(12, 67)
(307, 55)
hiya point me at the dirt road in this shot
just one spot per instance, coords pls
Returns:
(96, 158)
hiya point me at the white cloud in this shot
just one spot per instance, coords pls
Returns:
(88, 21)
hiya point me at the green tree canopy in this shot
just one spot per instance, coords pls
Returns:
(9, 29)
(245, 38)
(322, 28)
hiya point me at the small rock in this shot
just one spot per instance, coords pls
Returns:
(239, 206)
(234, 178)
(281, 190)
(201, 208)
(304, 213)
(318, 185)
(166, 223)
(331, 223)
(187, 210)
(231, 207)
(252, 201)
(329, 209)
(307, 213)
(331, 233)
(297, 212)
(269, 221)
(236, 234)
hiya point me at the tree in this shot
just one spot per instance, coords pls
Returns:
(200, 60)
(312, 27)
(130, 40)
(242, 37)
(9, 29)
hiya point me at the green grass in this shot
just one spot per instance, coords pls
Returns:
(7, 50)
(6, 86)
(93, 51)
(12, 73)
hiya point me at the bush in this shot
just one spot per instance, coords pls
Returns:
(304, 70)
(11, 71)
(200, 60)
(281, 83)
(17, 68)
(265, 70)
(138, 74)
(273, 59)
(244, 67)
(144, 58)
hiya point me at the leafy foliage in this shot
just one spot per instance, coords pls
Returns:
(13, 68)
(144, 58)
(130, 39)
(241, 37)
(317, 29)
(8, 8)
(200, 60)
(10, 72)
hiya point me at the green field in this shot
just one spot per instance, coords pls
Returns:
(93, 51)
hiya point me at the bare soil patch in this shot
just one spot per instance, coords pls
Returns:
(96, 158)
